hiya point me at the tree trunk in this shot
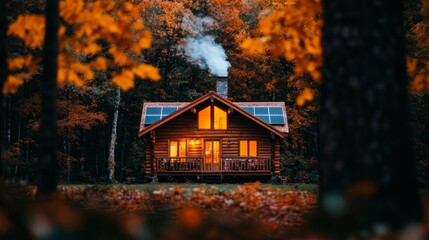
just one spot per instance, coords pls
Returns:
(3, 76)
(111, 159)
(366, 161)
(47, 183)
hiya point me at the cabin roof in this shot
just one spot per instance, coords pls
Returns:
(271, 115)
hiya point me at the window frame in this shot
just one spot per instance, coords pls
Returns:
(212, 118)
(178, 141)
(248, 147)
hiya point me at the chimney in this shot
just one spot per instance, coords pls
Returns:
(222, 86)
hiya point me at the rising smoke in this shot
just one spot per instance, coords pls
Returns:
(201, 48)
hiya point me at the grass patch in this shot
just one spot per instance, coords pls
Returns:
(311, 188)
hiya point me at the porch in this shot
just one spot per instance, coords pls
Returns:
(221, 165)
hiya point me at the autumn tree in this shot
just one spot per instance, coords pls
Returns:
(89, 30)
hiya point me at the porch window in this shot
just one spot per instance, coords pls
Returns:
(177, 148)
(248, 148)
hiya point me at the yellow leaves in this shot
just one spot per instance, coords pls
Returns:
(294, 32)
(253, 46)
(91, 48)
(266, 25)
(83, 69)
(138, 25)
(128, 6)
(70, 10)
(144, 41)
(100, 64)
(16, 63)
(147, 71)
(66, 75)
(119, 56)
(305, 96)
(117, 24)
(124, 80)
(12, 84)
(23, 63)
(30, 28)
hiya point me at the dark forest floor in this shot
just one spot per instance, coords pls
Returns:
(164, 211)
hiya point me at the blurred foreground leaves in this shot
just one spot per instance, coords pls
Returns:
(100, 212)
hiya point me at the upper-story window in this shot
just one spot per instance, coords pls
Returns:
(220, 119)
(212, 116)
(204, 118)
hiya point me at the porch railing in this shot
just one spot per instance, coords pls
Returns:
(246, 164)
(178, 164)
(226, 164)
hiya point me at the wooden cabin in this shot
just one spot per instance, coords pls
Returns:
(213, 138)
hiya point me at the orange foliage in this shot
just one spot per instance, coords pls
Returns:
(292, 30)
(117, 25)
(418, 66)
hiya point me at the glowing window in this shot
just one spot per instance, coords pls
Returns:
(243, 148)
(252, 148)
(248, 148)
(182, 149)
(220, 119)
(173, 148)
(177, 148)
(204, 118)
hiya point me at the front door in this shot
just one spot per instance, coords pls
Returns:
(212, 156)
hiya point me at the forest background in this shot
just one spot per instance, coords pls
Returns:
(86, 114)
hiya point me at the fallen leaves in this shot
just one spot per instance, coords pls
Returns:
(274, 207)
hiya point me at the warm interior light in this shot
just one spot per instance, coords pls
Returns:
(204, 118)
(220, 118)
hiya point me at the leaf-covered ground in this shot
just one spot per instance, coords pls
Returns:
(272, 210)
(158, 211)
(164, 211)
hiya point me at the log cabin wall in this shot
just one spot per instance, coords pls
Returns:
(149, 156)
(239, 127)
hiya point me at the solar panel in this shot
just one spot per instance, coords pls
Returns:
(264, 118)
(276, 110)
(151, 119)
(261, 111)
(274, 119)
(168, 110)
(270, 115)
(153, 110)
(154, 114)
(250, 110)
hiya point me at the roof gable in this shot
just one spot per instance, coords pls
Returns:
(271, 115)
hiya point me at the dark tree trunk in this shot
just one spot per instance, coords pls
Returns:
(366, 160)
(3, 76)
(47, 183)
